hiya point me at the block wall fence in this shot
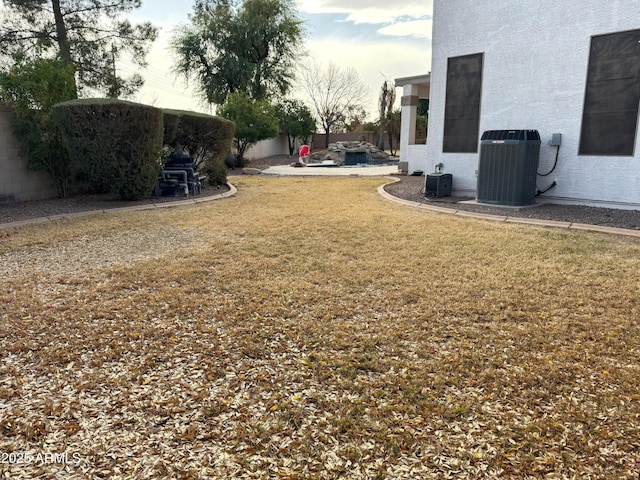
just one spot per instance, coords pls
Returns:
(17, 182)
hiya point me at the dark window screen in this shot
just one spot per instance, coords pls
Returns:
(462, 104)
(610, 114)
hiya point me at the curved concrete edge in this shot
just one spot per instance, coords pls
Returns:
(150, 206)
(506, 219)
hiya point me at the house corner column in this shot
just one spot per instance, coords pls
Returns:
(409, 104)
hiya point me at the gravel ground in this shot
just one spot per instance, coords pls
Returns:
(412, 188)
(409, 188)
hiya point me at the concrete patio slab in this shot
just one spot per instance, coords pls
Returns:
(366, 171)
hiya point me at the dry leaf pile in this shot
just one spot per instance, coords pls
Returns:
(307, 329)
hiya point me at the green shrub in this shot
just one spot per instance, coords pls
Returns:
(32, 88)
(217, 173)
(207, 139)
(114, 145)
(255, 120)
(170, 120)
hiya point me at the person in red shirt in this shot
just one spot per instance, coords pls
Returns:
(303, 153)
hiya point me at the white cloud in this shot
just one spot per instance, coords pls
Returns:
(370, 11)
(415, 28)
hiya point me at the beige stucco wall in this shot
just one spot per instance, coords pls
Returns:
(17, 183)
(267, 148)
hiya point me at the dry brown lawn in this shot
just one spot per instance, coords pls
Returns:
(309, 329)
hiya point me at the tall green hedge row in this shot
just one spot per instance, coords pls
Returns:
(207, 139)
(171, 119)
(114, 145)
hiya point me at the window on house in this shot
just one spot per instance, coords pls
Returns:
(462, 104)
(612, 95)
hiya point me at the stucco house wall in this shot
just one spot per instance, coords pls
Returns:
(535, 60)
(17, 182)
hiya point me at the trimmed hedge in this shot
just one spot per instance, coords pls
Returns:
(171, 119)
(207, 139)
(114, 145)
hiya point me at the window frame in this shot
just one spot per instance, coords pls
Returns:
(461, 132)
(609, 124)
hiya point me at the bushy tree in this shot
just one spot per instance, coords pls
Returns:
(385, 101)
(32, 88)
(393, 129)
(240, 46)
(353, 122)
(422, 120)
(89, 34)
(255, 120)
(423, 107)
(296, 121)
(206, 138)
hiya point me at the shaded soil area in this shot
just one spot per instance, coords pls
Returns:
(18, 211)
(412, 188)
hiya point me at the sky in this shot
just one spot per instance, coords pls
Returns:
(380, 39)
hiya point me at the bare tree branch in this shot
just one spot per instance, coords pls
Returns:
(336, 93)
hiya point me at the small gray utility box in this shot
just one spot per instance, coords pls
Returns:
(438, 185)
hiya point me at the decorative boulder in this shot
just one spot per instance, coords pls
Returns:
(379, 155)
